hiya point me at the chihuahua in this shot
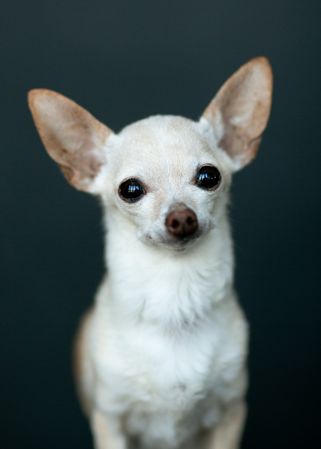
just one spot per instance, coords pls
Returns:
(161, 356)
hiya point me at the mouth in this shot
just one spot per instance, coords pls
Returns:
(178, 244)
(183, 242)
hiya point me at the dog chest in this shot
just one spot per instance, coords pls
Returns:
(145, 369)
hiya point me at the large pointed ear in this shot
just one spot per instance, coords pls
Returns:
(71, 136)
(239, 112)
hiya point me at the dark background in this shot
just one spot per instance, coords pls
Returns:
(125, 60)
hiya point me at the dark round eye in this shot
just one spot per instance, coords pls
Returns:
(131, 190)
(208, 177)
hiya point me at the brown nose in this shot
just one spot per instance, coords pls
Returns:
(181, 223)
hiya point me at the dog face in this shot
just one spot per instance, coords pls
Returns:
(165, 177)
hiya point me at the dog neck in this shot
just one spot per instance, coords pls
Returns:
(163, 287)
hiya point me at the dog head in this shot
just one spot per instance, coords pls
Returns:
(165, 177)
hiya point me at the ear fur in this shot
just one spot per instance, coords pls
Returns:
(239, 112)
(71, 136)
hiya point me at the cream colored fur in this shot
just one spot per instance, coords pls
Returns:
(161, 357)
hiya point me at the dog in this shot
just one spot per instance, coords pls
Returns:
(160, 358)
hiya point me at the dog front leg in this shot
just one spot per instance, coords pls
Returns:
(107, 432)
(228, 433)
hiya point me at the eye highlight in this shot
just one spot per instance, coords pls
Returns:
(208, 177)
(131, 190)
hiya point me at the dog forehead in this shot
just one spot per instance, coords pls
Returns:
(159, 137)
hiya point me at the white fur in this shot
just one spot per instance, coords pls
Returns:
(166, 343)
(161, 357)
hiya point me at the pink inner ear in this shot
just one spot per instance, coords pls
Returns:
(81, 167)
(71, 135)
(241, 109)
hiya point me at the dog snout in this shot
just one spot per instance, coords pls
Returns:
(181, 222)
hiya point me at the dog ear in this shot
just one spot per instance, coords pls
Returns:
(239, 112)
(71, 136)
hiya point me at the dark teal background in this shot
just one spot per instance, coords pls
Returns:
(125, 60)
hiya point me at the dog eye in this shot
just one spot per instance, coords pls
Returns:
(208, 177)
(131, 190)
